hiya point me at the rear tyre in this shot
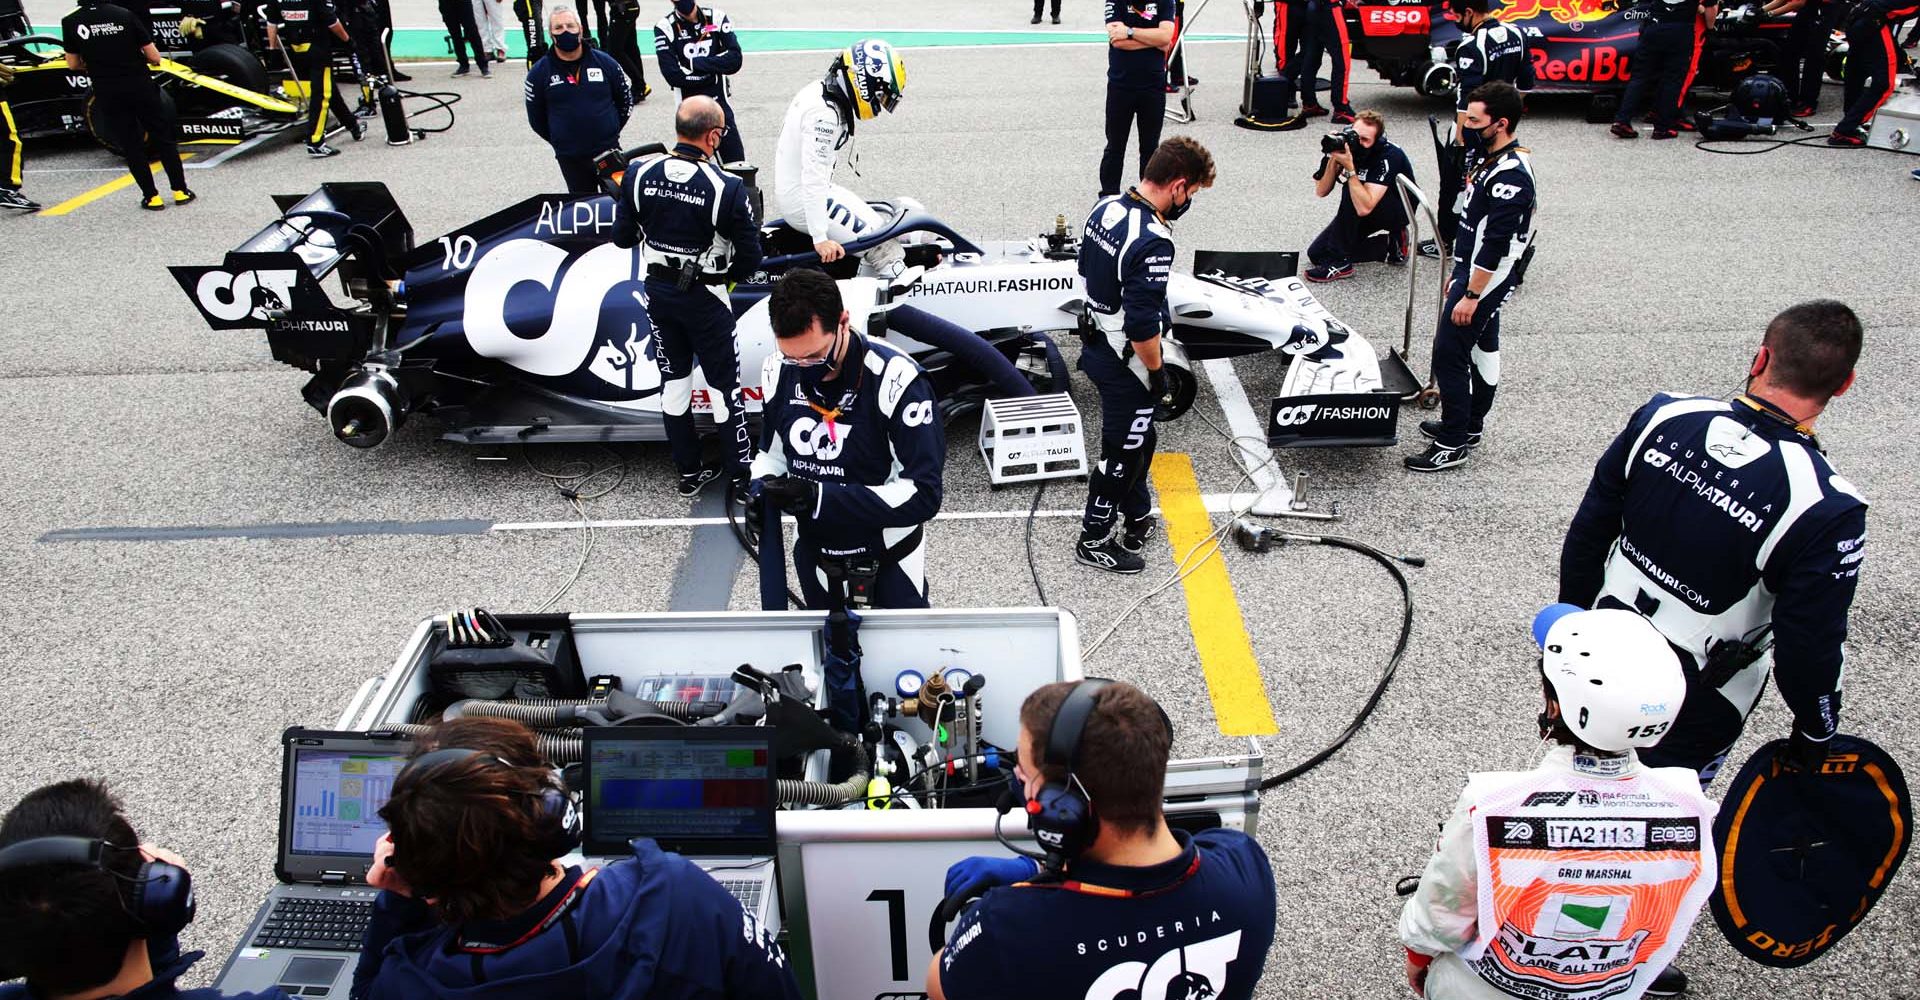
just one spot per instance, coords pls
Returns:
(232, 64)
(101, 136)
(1182, 388)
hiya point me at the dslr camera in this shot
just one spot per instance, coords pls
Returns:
(1334, 142)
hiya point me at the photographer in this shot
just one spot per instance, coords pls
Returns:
(86, 909)
(1371, 224)
(474, 900)
(1126, 906)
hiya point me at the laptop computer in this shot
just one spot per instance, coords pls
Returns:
(705, 793)
(305, 938)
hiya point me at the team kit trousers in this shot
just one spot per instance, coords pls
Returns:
(1663, 69)
(1466, 360)
(1126, 108)
(1326, 33)
(315, 62)
(1873, 61)
(138, 123)
(1127, 437)
(695, 326)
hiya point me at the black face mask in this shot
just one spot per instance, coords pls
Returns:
(1175, 211)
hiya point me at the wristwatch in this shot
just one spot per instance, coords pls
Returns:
(1129, 31)
(1472, 294)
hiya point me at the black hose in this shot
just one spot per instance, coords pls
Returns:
(1033, 567)
(443, 100)
(743, 533)
(563, 712)
(558, 746)
(1393, 662)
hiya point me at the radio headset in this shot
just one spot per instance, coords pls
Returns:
(159, 897)
(562, 819)
(1063, 817)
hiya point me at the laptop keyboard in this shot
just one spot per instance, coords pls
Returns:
(321, 924)
(746, 890)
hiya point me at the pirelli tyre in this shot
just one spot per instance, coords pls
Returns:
(232, 64)
(100, 136)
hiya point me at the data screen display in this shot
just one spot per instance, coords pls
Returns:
(680, 791)
(337, 797)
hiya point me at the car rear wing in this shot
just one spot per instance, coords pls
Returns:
(338, 221)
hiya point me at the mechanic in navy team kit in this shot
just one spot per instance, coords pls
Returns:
(1138, 35)
(1126, 253)
(578, 100)
(1490, 50)
(475, 902)
(1371, 222)
(1665, 61)
(1873, 64)
(309, 28)
(1724, 523)
(1291, 22)
(1126, 907)
(11, 174)
(851, 445)
(697, 234)
(699, 54)
(1326, 34)
(89, 910)
(115, 48)
(1490, 259)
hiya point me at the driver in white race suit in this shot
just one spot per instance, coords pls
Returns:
(863, 81)
(1579, 879)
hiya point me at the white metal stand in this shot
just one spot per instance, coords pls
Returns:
(1028, 438)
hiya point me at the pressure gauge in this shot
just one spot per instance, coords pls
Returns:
(907, 683)
(957, 678)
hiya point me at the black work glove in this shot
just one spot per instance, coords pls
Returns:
(1157, 384)
(795, 496)
(1803, 752)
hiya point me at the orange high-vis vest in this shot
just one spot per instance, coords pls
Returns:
(1587, 886)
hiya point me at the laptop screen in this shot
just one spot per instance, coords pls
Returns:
(705, 791)
(334, 799)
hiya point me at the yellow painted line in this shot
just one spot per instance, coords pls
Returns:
(1240, 705)
(120, 183)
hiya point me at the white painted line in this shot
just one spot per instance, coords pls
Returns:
(232, 151)
(1274, 496)
(1217, 503)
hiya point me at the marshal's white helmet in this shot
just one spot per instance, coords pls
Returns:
(1618, 683)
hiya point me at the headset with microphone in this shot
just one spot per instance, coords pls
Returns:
(561, 818)
(158, 896)
(1062, 817)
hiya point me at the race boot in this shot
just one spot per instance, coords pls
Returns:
(184, 196)
(1438, 457)
(1107, 554)
(691, 483)
(152, 202)
(9, 198)
(1431, 428)
(1671, 982)
(320, 150)
(1134, 534)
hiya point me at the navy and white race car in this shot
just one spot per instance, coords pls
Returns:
(530, 325)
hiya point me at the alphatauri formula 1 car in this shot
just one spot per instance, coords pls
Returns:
(530, 325)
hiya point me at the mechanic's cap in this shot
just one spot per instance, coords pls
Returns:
(684, 6)
(1543, 622)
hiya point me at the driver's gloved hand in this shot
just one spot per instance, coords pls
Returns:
(1803, 753)
(978, 874)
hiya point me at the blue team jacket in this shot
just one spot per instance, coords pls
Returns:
(650, 927)
(579, 107)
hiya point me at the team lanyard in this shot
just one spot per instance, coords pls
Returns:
(1767, 410)
(559, 909)
(830, 415)
(1090, 889)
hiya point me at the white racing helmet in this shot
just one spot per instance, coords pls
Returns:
(1617, 680)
